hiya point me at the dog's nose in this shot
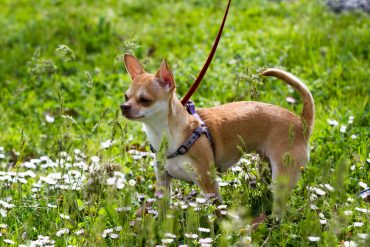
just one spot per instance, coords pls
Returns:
(125, 107)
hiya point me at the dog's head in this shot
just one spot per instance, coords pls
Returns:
(148, 94)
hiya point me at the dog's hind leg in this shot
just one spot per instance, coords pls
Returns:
(286, 170)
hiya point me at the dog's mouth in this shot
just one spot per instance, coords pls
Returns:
(130, 117)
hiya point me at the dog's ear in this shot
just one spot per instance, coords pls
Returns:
(165, 76)
(133, 66)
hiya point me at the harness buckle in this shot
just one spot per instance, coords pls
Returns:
(182, 150)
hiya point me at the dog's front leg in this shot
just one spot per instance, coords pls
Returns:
(163, 180)
(162, 187)
(209, 186)
(206, 180)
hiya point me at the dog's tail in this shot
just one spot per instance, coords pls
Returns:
(308, 112)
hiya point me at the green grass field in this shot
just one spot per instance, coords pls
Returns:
(73, 171)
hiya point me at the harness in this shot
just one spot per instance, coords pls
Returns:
(202, 129)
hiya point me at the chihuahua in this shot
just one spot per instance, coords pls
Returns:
(277, 134)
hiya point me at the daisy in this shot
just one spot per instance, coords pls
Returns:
(167, 240)
(202, 229)
(191, 235)
(8, 241)
(332, 122)
(314, 239)
(62, 231)
(363, 185)
(169, 235)
(65, 216)
(358, 224)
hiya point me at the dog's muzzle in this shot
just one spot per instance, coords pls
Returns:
(125, 108)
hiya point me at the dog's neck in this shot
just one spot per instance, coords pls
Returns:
(173, 123)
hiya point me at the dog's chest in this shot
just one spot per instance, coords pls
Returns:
(181, 168)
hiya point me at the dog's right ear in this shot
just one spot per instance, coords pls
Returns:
(133, 66)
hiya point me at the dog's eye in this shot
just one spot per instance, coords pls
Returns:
(144, 101)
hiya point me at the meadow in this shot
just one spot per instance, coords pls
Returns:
(73, 171)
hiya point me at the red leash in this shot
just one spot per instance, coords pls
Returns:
(208, 61)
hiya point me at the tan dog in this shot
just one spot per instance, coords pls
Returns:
(274, 132)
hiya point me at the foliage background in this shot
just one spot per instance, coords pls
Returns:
(64, 59)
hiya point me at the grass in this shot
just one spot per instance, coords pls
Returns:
(62, 81)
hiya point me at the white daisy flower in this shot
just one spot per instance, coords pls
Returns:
(223, 184)
(191, 235)
(248, 240)
(348, 212)
(202, 229)
(118, 228)
(329, 187)
(6, 204)
(343, 129)
(169, 235)
(320, 192)
(62, 231)
(29, 165)
(236, 169)
(200, 200)
(205, 240)
(117, 182)
(290, 100)
(350, 244)
(332, 122)
(79, 232)
(358, 224)
(132, 182)
(123, 209)
(362, 210)
(106, 144)
(167, 240)
(49, 118)
(65, 216)
(9, 241)
(3, 226)
(363, 235)
(313, 197)
(106, 232)
(113, 235)
(95, 159)
(314, 238)
(354, 136)
(119, 174)
(363, 185)
(223, 206)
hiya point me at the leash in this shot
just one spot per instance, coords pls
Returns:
(201, 74)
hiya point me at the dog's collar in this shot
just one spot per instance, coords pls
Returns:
(190, 108)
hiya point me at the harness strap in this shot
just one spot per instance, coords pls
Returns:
(190, 108)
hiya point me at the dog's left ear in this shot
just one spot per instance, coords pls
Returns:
(165, 76)
(133, 66)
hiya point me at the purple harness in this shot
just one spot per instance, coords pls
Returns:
(202, 129)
